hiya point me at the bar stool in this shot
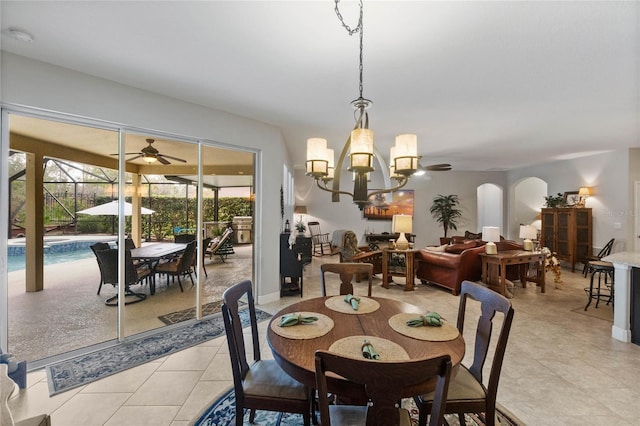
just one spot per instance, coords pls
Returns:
(603, 291)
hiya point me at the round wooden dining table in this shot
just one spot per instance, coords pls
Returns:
(296, 356)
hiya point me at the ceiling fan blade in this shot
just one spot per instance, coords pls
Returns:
(439, 167)
(162, 160)
(136, 157)
(127, 153)
(173, 158)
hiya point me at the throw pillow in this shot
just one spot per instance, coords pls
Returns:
(471, 236)
(459, 248)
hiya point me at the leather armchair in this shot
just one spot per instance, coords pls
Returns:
(450, 269)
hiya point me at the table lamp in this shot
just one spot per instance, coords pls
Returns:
(529, 233)
(402, 224)
(583, 193)
(491, 234)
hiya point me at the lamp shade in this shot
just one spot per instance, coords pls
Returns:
(528, 232)
(584, 191)
(491, 233)
(402, 223)
(300, 209)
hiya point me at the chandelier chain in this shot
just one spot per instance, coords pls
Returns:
(358, 29)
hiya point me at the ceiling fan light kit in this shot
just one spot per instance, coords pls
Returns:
(150, 155)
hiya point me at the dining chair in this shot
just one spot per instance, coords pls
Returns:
(184, 238)
(203, 249)
(96, 248)
(347, 272)
(108, 261)
(604, 252)
(467, 392)
(182, 265)
(384, 383)
(263, 384)
(320, 240)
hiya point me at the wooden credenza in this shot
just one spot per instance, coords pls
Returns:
(568, 232)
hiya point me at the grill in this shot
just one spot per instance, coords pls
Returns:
(242, 228)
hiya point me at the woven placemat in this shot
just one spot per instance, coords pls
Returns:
(433, 334)
(352, 347)
(304, 331)
(366, 305)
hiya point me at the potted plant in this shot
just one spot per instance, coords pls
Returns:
(444, 210)
(553, 202)
(300, 227)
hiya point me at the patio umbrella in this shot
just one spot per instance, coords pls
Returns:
(111, 209)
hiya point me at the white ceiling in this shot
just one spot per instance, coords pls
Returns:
(484, 85)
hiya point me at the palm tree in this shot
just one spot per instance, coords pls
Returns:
(444, 210)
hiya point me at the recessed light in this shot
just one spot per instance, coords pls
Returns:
(19, 34)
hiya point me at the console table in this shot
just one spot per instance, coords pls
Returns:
(398, 263)
(376, 238)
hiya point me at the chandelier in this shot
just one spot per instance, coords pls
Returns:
(359, 146)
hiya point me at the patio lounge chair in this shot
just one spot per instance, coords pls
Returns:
(221, 246)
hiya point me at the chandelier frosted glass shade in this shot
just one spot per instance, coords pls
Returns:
(361, 151)
(317, 162)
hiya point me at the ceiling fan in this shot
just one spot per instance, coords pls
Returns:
(442, 167)
(149, 154)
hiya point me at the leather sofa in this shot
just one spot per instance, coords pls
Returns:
(448, 266)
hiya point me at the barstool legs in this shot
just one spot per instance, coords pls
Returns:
(600, 293)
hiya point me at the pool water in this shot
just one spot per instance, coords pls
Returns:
(17, 262)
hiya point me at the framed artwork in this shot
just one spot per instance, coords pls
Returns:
(384, 206)
(571, 198)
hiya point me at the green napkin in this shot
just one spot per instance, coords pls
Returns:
(352, 300)
(432, 319)
(368, 351)
(295, 319)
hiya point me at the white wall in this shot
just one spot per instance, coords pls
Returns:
(39, 85)
(345, 214)
(608, 175)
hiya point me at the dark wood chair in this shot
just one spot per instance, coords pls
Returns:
(108, 261)
(604, 252)
(347, 272)
(262, 385)
(467, 393)
(321, 241)
(96, 248)
(183, 265)
(384, 383)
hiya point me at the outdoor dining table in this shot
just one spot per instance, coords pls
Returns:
(152, 253)
(381, 321)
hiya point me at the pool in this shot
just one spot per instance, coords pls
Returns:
(56, 250)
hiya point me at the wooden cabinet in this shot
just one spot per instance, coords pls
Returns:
(568, 232)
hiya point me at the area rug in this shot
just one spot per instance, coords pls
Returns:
(190, 313)
(87, 368)
(222, 413)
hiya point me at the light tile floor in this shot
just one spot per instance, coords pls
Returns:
(561, 367)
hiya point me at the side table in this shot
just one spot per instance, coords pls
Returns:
(399, 263)
(494, 268)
